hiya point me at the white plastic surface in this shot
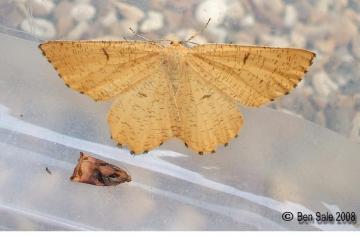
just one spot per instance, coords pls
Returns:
(278, 163)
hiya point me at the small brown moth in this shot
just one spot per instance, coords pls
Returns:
(171, 90)
(97, 172)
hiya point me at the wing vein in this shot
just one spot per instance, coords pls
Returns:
(219, 67)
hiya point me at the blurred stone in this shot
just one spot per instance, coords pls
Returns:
(10, 15)
(235, 10)
(304, 10)
(78, 30)
(306, 90)
(154, 21)
(41, 7)
(269, 12)
(219, 32)
(248, 20)
(244, 38)
(355, 43)
(298, 39)
(344, 30)
(214, 9)
(39, 27)
(83, 12)
(177, 19)
(110, 19)
(352, 15)
(274, 6)
(323, 84)
(274, 41)
(322, 5)
(63, 24)
(291, 16)
(326, 45)
(129, 12)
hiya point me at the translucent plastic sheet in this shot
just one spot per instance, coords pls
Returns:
(279, 163)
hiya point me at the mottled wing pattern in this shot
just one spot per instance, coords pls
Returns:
(101, 69)
(207, 116)
(250, 75)
(145, 116)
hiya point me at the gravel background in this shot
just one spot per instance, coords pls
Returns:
(330, 95)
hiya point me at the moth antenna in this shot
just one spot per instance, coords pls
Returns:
(199, 32)
(138, 35)
(142, 37)
(190, 42)
(163, 40)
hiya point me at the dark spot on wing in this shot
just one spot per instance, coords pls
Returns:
(205, 96)
(246, 58)
(106, 54)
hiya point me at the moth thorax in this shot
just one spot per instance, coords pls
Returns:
(173, 63)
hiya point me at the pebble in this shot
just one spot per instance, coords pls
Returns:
(298, 39)
(63, 24)
(355, 43)
(248, 20)
(78, 30)
(243, 38)
(276, 41)
(41, 28)
(110, 19)
(83, 12)
(41, 7)
(154, 21)
(323, 84)
(326, 45)
(344, 30)
(129, 12)
(214, 9)
(235, 10)
(291, 16)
